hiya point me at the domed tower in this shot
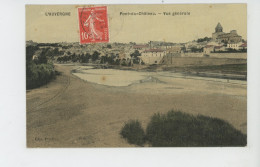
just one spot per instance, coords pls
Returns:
(219, 28)
(218, 31)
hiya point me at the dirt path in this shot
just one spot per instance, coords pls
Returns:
(70, 112)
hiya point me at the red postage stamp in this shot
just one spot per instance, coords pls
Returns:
(93, 25)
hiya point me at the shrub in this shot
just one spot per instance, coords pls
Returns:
(38, 74)
(180, 129)
(133, 132)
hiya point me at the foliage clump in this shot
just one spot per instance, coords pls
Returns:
(178, 129)
(133, 132)
(38, 71)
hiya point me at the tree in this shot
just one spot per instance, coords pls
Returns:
(95, 55)
(42, 59)
(85, 58)
(56, 51)
(204, 39)
(135, 54)
(59, 59)
(30, 50)
(135, 57)
(109, 46)
(194, 49)
(74, 57)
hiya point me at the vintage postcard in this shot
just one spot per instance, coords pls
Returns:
(172, 75)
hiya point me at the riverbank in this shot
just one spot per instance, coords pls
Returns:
(225, 71)
(71, 112)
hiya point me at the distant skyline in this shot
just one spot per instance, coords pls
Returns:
(200, 23)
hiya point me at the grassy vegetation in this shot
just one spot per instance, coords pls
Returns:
(38, 71)
(39, 74)
(223, 69)
(178, 129)
(226, 68)
(133, 132)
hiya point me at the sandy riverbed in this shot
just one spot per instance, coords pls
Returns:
(89, 112)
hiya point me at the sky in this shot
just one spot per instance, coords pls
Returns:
(200, 23)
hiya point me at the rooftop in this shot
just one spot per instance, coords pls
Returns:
(154, 50)
(218, 25)
(244, 45)
(140, 46)
(218, 47)
(209, 46)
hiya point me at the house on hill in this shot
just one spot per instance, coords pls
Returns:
(152, 56)
(221, 36)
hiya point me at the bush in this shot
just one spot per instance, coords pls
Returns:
(133, 132)
(38, 74)
(180, 129)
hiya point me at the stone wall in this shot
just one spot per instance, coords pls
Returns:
(200, 61)
(229, 55)
(192, 54)
(151, 59)
(217, 55)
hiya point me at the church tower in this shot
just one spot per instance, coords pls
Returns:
(219, 28)
(218, 31)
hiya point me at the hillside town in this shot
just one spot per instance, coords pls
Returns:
(152, 52)
(96, 88)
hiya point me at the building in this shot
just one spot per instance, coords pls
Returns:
(140, 48)
(152, 56)
(218, 31)
(124, 55)
(208, 49)
(174, 49)
(234, 45)
(221, 36)
(229, 37)
(214, 43)
(219, 48)
(243, 46)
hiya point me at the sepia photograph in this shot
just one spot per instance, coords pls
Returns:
(164, 75)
